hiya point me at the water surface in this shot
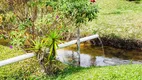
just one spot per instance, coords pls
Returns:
(94, 56)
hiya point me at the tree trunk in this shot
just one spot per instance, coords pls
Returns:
(78, 44)
(34, 17)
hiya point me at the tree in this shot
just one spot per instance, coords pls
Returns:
(80, 12)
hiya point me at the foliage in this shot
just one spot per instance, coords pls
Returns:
(27, 21)
(45, 50)
(38, 44)
(81, 11)
(39, 17)
(52, 65)
(17, 39)
(53, 46)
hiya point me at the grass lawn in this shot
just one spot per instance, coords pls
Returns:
(17, 70)
(7, 52)
(117, 18)
(123, 72)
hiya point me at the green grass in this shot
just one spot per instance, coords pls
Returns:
(7, 52)
(123, 72)
(18, 70)
(117, 18)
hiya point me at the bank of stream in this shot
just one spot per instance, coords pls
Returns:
(128, 44)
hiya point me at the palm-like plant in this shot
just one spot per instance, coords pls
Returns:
(47, 56)
(54, 38)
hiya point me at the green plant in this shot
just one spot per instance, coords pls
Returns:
(18, 38)
(45, 49)
(52, 65)
(26, 16)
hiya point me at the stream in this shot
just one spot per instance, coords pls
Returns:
(94, 56)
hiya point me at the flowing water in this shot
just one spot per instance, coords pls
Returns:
(94, 56)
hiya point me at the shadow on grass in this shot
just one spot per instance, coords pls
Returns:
(72, 70)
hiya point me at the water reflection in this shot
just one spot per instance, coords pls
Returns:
(93, 56)
(68, 56)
